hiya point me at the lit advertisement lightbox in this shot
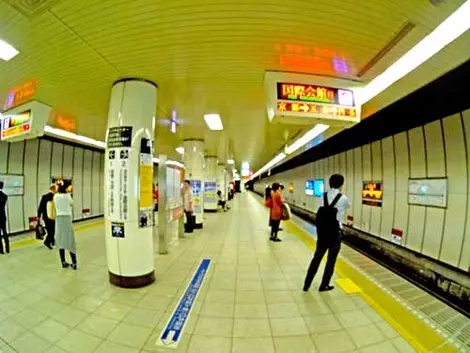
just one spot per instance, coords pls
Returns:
(319, 187)
(309, 188)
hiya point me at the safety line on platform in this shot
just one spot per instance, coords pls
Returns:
(32, 241)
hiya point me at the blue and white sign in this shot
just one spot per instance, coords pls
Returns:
(171, 335)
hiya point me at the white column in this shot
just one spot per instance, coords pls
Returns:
(193, 159)
(128, 183)
(221, 182)
(210, 184)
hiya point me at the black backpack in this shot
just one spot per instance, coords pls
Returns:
(326, 220)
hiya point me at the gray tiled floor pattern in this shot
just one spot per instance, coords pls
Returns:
(250, 301)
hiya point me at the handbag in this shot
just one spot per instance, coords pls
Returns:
(40, 231)
(286, 212)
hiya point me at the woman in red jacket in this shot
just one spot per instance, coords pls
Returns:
(276, 211)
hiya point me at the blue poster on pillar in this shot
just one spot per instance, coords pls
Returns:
(210, 192)
(196, 187)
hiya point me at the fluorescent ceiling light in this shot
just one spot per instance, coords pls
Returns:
(214, 122)
(180, 150)
(309, 136)
(7, 51)
(270, 164)
(70, 135)
(449, 30)
(230, 161)
(175, 163)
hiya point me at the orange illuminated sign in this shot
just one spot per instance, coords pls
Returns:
(372, 194)
(313, 93)
(21, 94)
(316, 109)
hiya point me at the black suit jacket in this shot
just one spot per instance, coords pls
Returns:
(3, 205)
(42, 210)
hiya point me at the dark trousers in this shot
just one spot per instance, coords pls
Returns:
(274, 227)
(72, 256)
(50, 229)
(189, 225)
(332, 244)
(4, 235)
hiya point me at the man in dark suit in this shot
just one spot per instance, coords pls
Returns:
(42, 214)
(3, 220)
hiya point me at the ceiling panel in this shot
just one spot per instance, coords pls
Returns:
(208, 56)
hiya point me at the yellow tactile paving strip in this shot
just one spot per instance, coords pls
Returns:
(31, 241)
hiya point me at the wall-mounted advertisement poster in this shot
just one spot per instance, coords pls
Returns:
(372, 193)
(428, 192)
(309, 188)
(13, 185)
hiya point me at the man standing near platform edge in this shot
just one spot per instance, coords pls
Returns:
(329, 224)
(3, 220)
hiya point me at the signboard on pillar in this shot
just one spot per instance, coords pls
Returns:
(196, 186)
(145, 184)
(210, 195)
(119, 149)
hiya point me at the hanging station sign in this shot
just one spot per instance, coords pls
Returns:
(23, 122)
(308, 99)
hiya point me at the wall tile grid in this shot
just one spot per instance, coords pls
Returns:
(438, 149)
(40, 160)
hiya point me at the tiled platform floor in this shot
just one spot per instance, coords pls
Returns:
(250, 301)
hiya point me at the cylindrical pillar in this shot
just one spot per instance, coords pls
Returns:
(128, 183)
(221, 182)
(193, 159)
(210, 184)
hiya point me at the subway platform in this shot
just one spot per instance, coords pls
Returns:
(250, 299)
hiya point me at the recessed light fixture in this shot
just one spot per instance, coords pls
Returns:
(180, 150)
(231, 161)
(7, 51)
(214, 122)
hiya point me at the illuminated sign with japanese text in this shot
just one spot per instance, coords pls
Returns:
(15, 124)
(20, 94)
(314, 93)
(372, 194)
(316, 109)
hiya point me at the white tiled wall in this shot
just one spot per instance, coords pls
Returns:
(40, 160)
(438, 149)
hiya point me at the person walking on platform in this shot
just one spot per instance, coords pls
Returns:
(3, 220)
(63, 226)
(276, 212)
(329, 232)
(44, 213)
(188, 204)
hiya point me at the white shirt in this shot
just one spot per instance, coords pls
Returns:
(187, 199)
(342, 205)
(63, 204)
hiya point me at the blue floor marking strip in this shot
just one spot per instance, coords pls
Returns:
(174, 329)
